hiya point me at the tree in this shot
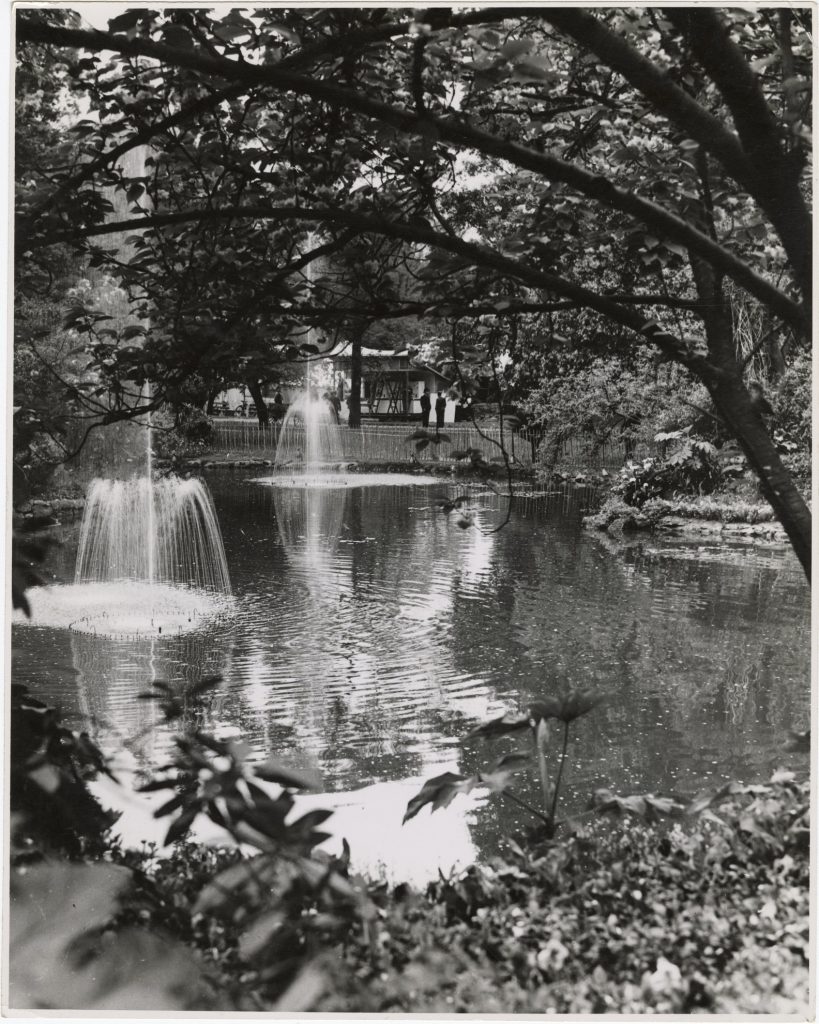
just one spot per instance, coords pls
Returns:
(668, 145)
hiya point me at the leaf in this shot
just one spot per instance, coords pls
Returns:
(176, 36)
(499, 727)
(287, 33)
(132, 331)
(647, 806)
(572, 705)
(229, 33)
(47, 777)
(123, 22)
(255, 938)
(138, 970)
(515, 48)
(440, 792)
(180, 826)
(220, 893)
(499, 776)
(51, 906)
(421, 445)
(170, 806)
(302, 994)
(309, 820)
(273, 771)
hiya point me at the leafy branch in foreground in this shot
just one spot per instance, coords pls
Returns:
(442, 790)
(284, 897)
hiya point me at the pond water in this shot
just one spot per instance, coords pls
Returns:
(370, 634)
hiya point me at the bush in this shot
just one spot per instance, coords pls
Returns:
(711, 916)
(690, 468)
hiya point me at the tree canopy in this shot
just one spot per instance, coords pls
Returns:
(628, 172)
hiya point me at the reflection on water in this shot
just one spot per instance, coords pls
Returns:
(310, 521)
(99, 680)
(372, 634)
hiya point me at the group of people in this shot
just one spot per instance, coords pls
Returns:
(426, 408)
(334, 402)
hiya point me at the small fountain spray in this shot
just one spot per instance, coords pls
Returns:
(309, 442)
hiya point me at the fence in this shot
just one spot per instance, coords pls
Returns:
(388, 442)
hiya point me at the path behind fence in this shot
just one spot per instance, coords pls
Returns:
(388, 442)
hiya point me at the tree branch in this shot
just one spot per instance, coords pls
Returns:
(413, 232)
(672, 101)
(451, 129)
(773, 177)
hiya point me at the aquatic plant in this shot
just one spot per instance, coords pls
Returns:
(442, 790)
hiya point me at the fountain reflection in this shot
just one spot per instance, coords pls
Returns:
(310, 521)
(110, 676)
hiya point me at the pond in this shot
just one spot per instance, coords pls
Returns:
(370, 634)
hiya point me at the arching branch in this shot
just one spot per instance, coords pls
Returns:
(452, 129)
(755, 159)
(773, 178)
(479, 255)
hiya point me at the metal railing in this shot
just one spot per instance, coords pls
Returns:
(388, 442)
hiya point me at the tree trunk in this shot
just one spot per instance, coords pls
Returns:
(722, 375)
(734, 403)
(211, 400)
(262, 413)
(354, 398)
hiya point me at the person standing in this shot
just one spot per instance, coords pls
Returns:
(426, 406)
(440, 409)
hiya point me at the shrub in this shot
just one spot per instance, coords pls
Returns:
(691, 467)
(708, 915)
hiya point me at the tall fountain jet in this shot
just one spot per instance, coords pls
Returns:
(162, 531)
(309, 442)
(150, 554)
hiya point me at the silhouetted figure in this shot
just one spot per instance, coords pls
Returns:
(426, 406)
(440, 409)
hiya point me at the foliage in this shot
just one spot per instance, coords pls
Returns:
(442, 790)
(611, 400)
(691, 467)
(709, 915)
(793, 406)
(66, 954)
(49, 767)
(283, 899)
(792, 401)
(183, 435)
(615, 181)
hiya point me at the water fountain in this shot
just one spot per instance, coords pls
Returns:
(161, 531)
(150, 563)
(309, 443)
